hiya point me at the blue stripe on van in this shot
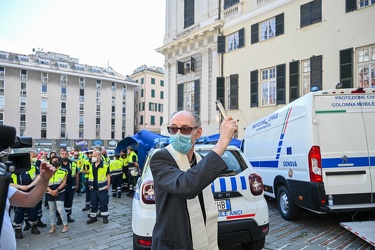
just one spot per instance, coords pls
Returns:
(264, 164)
(233, 183)
(223, 187)
(356, 161)
(243, 182)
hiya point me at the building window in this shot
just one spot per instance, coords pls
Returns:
(2, 72)
(62, 134)
(44, 61)
(97, 123)
(23, 104)
(81, 95)
(305, 64)
(365, 3)
(230, 3)
(232, 92)
(153, 81)
(80, 134)
(268, 29)
(152, 106)
(63, 93)
(189, 96)
(63, 121)
(44, 77)
(98, 96)
(136, 94)
(23, 91)
(1, 118)
(268, 86)
(2, 87)
(43, 134)
(161, 94)
(141, 106)
(1, 102)
(22, 120)
(43, 121)
(113, 86)
(188, 13)
(142, 80)
(113, 110)
(113, 124)
(152, 92)
(233, 42)
(98, 109)
(98, 84)
(366, 67)
(64, 79)
(44, 90)
(141, 92)
(44, 106)
(311, 13)
(161, 121)
(152, 120)
(63, 107)
(162, 83)
(112, 135)
(81, 82)
(81, 121)
(141, 120)
(81, 108)
(160, 107)
(23, 74)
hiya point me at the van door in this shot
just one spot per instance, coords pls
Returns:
(347, 144)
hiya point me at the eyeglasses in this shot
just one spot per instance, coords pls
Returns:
(185, 130)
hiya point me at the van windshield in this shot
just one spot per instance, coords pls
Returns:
(233, 160)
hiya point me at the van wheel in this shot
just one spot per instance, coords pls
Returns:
(255, 244)
(288, 210)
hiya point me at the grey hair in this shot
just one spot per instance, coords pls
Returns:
(197, 119)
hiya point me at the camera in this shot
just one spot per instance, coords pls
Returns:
(11, 162)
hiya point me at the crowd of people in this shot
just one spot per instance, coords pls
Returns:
(76, 172)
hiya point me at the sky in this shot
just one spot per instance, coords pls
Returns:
(120, 33)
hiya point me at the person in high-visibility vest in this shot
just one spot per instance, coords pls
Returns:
(99, 182)
(133, 168)
(115, 168)
(85, 171)
(125, 179)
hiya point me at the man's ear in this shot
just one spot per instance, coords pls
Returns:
(198, 134)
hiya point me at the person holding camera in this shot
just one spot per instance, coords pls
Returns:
(18, 198)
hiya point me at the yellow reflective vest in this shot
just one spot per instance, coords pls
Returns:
(102, 172)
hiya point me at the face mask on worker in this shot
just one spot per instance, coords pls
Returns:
(55, 164)
(94, 159)
(33, 160)
(181, 143)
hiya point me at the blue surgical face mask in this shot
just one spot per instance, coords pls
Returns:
(181, 143)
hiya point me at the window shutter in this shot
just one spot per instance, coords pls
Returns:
(293, 81)
(221, 44)
(197, 91)
(280, 24)
(316, 11)
(305, 15)
(346, 68)
(220, 90)
(233, 92)
(192, 64)
(180, 68)
(254, 33)
(316, 73)
(351, 5)
(254, 88)
(241, 38)
(280, 84)
(180, 96)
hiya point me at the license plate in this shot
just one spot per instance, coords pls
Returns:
(223, 205)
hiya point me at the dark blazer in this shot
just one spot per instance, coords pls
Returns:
(172, 187)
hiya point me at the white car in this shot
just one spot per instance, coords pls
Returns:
(243, 210)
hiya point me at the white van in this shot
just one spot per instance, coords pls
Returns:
(318, 147)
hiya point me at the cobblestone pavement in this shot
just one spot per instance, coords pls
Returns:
(312, 231)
